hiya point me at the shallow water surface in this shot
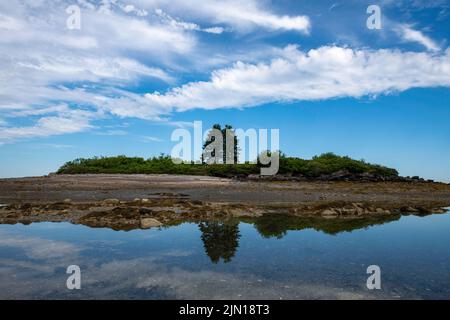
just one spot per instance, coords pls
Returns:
(267, 258)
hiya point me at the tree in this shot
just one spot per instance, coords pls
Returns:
(221, 150)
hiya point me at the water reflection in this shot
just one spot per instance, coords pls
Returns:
(220, 239)
(234, 259)
(278, 226)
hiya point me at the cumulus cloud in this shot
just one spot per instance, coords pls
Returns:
(323, 73)
(294, 75)
(409, 34)
(69, 121)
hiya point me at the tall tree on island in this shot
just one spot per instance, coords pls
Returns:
(230, 148)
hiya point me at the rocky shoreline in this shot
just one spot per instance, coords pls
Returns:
(126, 202)
(149, 213)
(342, 175)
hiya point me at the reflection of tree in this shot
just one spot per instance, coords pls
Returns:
(277, 225)
(220, 240)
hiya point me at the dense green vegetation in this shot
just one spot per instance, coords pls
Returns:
(327, 163)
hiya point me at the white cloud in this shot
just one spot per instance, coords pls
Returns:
(69, 122)
(409, 34)
(215, 30)
(40, 111)
(186, 25)
(55, 75)
(46, 67)
(52, 146)
(323, 73)
(294, 75)
(129, 8)
(41, 53)
(10, 23)
(151, 139)
(113, 133)
(92, 69)
(240, 15)
(43, 63)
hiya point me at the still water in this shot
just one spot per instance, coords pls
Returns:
(267, 258)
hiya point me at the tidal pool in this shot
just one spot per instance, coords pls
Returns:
(273, 257)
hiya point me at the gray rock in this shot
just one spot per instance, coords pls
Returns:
(329, 213)
(147, 223)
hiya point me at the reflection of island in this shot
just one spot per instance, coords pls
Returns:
(278, 225)
(220, 240)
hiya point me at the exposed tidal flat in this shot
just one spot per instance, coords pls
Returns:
(126, 202)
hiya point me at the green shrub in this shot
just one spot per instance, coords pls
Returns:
(326, 163)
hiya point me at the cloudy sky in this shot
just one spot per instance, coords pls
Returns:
(137, 69)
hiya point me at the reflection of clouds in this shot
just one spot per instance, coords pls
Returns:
(150, 275)
(178, 253)
(160, 274)
(13, 265)
(27, 279)
(104, 243)
(215, 285)
(146, 277)
(38, 248)
(38, 273)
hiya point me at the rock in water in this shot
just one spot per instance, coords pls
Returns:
(329, 213)
(147, 223)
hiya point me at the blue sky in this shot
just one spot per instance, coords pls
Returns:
(136, 70)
